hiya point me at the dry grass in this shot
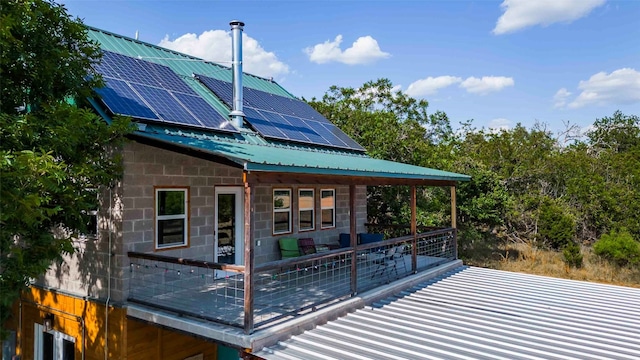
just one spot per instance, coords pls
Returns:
(529, 259)
(498, 253)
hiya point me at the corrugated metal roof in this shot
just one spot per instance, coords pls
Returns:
(254, 156)
(475, 313)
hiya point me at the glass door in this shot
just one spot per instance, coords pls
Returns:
(229, 227)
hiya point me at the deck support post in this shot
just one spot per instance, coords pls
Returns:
(248, 257)
(414, 232)
(353, 238)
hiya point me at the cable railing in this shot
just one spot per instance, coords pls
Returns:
(283, 289)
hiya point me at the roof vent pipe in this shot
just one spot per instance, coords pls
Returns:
(236, 113)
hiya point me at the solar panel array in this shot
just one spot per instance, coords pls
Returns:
(150, 91)
(283, 118)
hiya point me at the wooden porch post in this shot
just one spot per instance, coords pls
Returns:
(414, 232)
(248, 257)
(353, 238)
(453, 207)
(453, 221)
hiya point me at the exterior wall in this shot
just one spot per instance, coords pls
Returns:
(146, 342)
(85, 320)
(127, 220)
(81, 319)
(268, 250)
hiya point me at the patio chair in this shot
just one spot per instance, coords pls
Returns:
(388, 262)
(307, 246)
(289, 247)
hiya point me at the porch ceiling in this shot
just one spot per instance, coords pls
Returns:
(276, 163)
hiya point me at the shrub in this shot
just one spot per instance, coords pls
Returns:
(572, 255)
(556, 227)
(618, 247)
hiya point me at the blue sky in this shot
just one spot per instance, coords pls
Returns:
(497, 62)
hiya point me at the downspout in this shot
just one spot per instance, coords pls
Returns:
(106, 304)
(236, 114)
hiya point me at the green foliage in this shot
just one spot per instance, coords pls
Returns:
(618, 247)
(526, 183)
(482, 201)
(556, 227)
(572, 255)
(391, 126)
(52, 155)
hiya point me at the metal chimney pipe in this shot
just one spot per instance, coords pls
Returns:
(236, 114)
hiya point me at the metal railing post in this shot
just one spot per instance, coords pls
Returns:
(353, 238)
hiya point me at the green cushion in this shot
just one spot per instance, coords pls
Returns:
(289, 247)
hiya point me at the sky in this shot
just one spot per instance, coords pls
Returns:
(500, 63)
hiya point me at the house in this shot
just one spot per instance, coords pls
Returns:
(185, 260)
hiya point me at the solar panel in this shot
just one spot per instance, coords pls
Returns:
(282, 118)
(266, 128)
(201, 109)
(221, 89)
(150, 91)
(120, 98)
(166, 106)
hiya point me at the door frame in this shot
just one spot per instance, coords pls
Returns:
(238, 191)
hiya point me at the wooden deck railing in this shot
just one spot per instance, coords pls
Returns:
(283, 288)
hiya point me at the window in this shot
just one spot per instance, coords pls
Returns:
(54, 345)
(328, 208)
(281, 211)
(9, 346)
(306, 209)
(171, 217)
(90, 216)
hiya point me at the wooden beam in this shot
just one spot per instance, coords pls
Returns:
(248, 257)
(453, 207)
(414, 226)
(259, 177)
(353, 238)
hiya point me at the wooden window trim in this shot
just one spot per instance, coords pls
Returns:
(274, 211)
(187, 217)
(312, 208)
(333, 226)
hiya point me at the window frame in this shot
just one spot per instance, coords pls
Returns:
(157, 218)
(274, 211)
(322, 208)
(93, 229)
(312, 209)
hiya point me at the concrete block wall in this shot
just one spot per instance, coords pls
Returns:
(268, 249)
(127, 215)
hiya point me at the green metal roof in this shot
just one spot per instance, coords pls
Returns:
(248, 149)
(253, 155)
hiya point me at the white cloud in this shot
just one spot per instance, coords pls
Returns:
(520, 14)
(431, 85)
(486, 84)
(364, 50)
(560, 98)
(621, 86)
(496, 125)
(215, 46)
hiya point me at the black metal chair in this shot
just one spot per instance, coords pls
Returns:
(388, 261)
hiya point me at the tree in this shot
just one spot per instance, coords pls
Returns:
(392, 126)
(54, 151)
